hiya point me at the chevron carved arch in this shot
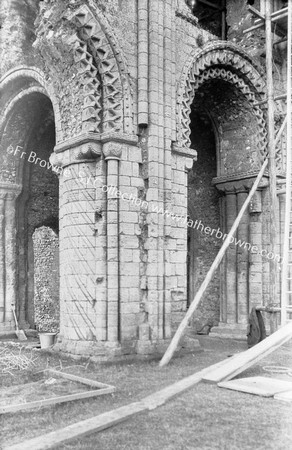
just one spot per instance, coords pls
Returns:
(220, 61)
(107, 102)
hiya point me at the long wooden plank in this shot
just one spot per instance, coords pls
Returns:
(251, 356)
(114, 417)
(181, 329)
(78, 379)
(162, 396)
(55, 400)
(80, 429)
(102, 389)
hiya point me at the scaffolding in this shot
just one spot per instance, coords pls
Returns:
(276, 23)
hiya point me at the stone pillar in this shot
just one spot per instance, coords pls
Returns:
(242, 263)
(255, 260)
(101, 251)
(113, 153)
(99, 243)
(75, 161)
(10, 256)
(231, 261)
(242, 269)
(177, 244)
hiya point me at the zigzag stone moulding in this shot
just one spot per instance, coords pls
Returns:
(90, 83)
(97, 51)
(122, 67)
(220, 61)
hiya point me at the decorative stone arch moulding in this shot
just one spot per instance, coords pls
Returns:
(225, 61)
(97, 53)
(40, 85)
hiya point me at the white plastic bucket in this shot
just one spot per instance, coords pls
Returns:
(47, 339)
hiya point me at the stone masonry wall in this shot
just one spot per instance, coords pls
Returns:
(124, 265)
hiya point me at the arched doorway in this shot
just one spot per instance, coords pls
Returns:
(203, 207)
(221, 120)
(29, 189)
(224, 133)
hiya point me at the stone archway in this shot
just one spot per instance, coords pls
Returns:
(223, 83)
(98, 133)
(95, 128)
(220, 61)
(29, 193)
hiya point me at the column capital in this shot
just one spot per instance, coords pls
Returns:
(82, 148)
(9, 190)
(189, 162)
(112, 150)
(87, 147)
(237, 183)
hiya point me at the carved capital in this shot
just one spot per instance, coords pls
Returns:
(12, 195)
(9, 191)
(112, 150)
(232, 187)
(85, 147)
(238, 183)
(189, 162)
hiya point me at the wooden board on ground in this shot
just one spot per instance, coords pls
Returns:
(251, 356)
(60, 387)
(111, 418)
(284, 396)
(263, 386)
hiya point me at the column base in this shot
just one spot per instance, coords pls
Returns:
(115, 351)
(230, 330)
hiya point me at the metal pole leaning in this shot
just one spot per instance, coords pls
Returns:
(181, 329)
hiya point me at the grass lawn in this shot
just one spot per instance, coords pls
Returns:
(205, 417)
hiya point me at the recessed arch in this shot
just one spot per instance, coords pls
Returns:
(22, 81)
(28, 132)
(220, 118)
(220, 61)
